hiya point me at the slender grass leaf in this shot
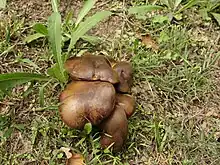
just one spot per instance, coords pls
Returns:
(144, 9)
(41, 93)
(55, 38)
(8, 34)
(10, 80)
(8, 132)
(217, 17)
(85, 26)
(2, 4)
(84, 11)
(28, 61)
(33, 37)
(68, 18)
(54, 5)
(188, 5)
(9, 49)
(40, 28)
(20, 127)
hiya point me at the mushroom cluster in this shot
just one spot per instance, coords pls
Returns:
(98, 93)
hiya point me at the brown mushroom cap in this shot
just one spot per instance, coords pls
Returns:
(127, 102)
(115, 127)
(115, 130)
(90, 67)
(124, 70)
(84, 101)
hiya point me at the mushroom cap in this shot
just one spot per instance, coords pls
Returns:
(115, 130)
(90, 67)
(124, 71)
(84, 101)
(127, 102)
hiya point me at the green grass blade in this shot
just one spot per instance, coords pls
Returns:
(40, 28)
(33, 37)
(54, 32)
(84, 11)
(217, 17)
(55, 38)
(10, 80)
(85, 26)
(143, 9)
(188, 5)
(54, 6)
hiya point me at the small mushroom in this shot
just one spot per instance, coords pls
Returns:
(84, 101)
(115, 127)
(127, 102)
(90, 67)
(124, 71)
(115, 130)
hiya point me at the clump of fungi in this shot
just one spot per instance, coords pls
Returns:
(98, 94)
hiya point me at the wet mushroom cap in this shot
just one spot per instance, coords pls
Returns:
(115, 130)
(83, 102)
(90, 67)
(124, 71)
(127, 102)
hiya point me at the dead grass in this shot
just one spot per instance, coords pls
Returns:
(169, 127)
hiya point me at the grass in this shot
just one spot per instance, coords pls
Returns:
(177, 115)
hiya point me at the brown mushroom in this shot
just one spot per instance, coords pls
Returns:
(91, 67)
(127, 102)
(124, 71)
(115, 127)
(115, 130)
(83, 102)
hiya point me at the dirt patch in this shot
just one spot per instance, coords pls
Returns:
(38, 11)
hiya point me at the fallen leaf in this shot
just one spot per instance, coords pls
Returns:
(76, 159)
(149, 42)
(67, 152)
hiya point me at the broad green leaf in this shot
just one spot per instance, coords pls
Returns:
(40, 28)
(91, 39)
(165, 2)
(85, 26)
(84, 11)
(55, 72)
(177, 3)
(54, 5)
(217, 17)
(33, 37)
(188, 5)
(10, 80)
(88, 128)
(160, 19)
(55, 38)
(143, 9)
(2, 4)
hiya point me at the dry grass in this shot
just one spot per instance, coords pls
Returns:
(177, 119)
